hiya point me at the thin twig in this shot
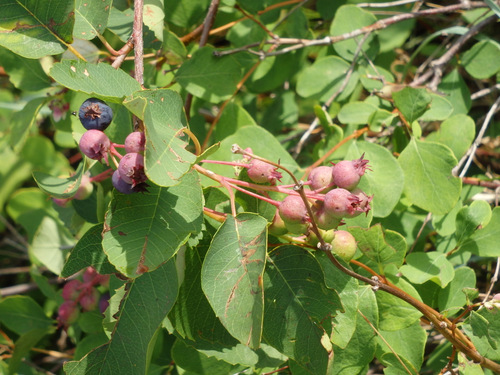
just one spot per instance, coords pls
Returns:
(472, 150)
(494, 279)
(387, 5)
(138, 42)
(484, 92)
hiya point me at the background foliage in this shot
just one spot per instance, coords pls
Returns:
(412, 86)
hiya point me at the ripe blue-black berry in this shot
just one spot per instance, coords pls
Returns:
(95, 114)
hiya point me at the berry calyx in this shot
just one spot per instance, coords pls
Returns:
(341, 203)
(321, 178)
(261, 172)
(135, 142)
(95, 145)
(344, 245)
(347, 173)
(131, 169)
(95, 114)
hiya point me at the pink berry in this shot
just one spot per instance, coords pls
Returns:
(85, 188)
(68, 313)
(294, 213)
(95, 145)
(261, 172)
(321, 178)
(344, 245)
(135, 142)
(324, 220)
(347, 173)
(131, 169)
(71, 290)
(89, 299)
(342, 203)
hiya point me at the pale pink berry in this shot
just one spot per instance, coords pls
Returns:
(68, 313)
(294, 213)
(71, 290)
(85, 189)
(342, 203)
(95, 145)
(344, 245)
(347, 173)
(261, 172)
(324, 220)
(89, 299)
(321, 179)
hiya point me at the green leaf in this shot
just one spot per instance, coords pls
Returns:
(231, 276)
(470, 218)
(483, 327)
(175, 50)
(22, 122)
(482, 60)
(166, 157)
(211, 78)
(21, 314)
(101, 80)
(145, 230)
(376, 247)
(381, 118)
(408, 343)
(88, 252)
(429, 183)
(373, 77)
(457, 92)
(324, 77)
(484, 242)
(452, 298)
(440, 109)
(91, 18)
(23, 346)
(233, 118)
(421, 267)
(385, 180)
(412, 103)
(298, 308)
(59, 187)
(344, 323)
(34, 31)
(493, 6)
(25, 74)
(186, 13)
(51, 243)
(146, 303)
(356, 113)
(361, 348)
(349, 18)
(447, 134)
(396, 314)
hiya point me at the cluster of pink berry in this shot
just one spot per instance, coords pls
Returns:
(129, 176)
(333, 195)
(84, 295)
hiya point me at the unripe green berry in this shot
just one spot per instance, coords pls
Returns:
(344, 245)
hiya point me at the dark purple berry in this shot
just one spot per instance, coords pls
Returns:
(95, 145)
(131, 169)
(135, 142)
(95, 114)
(261, 172)
(347, 173)
(321, 178)
(121, 185)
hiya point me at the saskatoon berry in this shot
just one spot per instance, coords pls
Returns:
(95, 145)
(121, 185)
(261, 172)
(95, 114)
(341, 203)
(277, 226)
(131, 168)
(344, 245)
(68, 313)
(313, 240)
(135, 142)
(294, 213)
(347, 173)
(71, 290)
(85, 188)
(89, 299)
(321, 178)
(324, 220)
